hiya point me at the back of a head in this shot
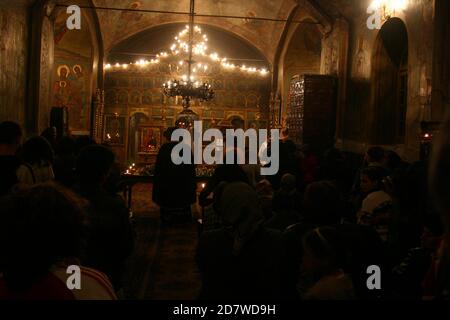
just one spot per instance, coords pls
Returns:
(375, 154)
(375, 174)
(39, 227)
(239, 204)
(288, 182)
(264, 188)
(82, 142)
(94, 164)
(50, 134)
(393, 160)
(10, 133)
(168, 133)
(37, 150)
(325, 243)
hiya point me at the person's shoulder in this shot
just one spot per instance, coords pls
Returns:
(94, 284)
(379, 196)
(373, 196)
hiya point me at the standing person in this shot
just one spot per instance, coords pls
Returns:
(174, 186)
(10, 138)
(111, 239)
(37, 162)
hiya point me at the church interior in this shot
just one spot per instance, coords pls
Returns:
(91, 92)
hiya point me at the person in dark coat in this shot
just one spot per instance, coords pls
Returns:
(174, 186)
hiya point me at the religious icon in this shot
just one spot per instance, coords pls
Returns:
(114, 129)
(63, 72)
(62, 88)
(78, 71)
(150, 139)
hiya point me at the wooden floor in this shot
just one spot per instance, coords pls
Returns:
(162, 266)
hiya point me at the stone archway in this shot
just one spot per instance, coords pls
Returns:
(48, 63)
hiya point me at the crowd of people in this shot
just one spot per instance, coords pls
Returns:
(311, 232)
(316, 229)
(59, 209)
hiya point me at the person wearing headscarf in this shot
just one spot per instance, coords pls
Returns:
(242, 260)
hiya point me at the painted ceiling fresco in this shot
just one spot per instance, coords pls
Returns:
(119, 25)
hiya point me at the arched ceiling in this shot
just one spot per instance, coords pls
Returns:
(117, 26)
(160, 38)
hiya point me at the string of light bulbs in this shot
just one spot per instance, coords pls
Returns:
(181, 46)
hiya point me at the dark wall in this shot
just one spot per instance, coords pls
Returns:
(13, 61)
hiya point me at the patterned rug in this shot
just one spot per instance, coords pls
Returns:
(162, 266)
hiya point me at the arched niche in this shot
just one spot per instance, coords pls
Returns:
(75, 69)
(389, 84)
(332, 34)
(43, 67)
(302, 56)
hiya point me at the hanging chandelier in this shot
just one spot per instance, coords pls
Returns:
(187, 88)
